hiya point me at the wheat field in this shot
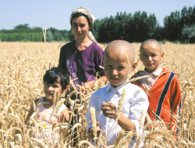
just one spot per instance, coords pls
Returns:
(22, 66)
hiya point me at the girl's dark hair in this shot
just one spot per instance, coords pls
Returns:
(75, 15)
(53, 74)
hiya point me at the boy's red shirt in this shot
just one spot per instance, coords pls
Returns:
(165, 103)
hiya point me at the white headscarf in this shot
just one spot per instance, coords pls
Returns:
(89, 15)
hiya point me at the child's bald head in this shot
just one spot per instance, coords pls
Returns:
(151, 54)
(119, 61)
(120, 49)
(152, 43)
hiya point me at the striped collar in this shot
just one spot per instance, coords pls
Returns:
(156, 72)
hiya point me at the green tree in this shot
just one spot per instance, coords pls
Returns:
(176, 21)
(189, 33)
(137, 27)
(22, 27)
(173, 26)
(25, 33)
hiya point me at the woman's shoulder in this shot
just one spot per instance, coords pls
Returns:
(102, 46)
(69, 44)
(96, 46)
(68, 48)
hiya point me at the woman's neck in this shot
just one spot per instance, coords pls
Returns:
(82, 44)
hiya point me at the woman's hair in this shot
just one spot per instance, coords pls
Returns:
(82, 12)
(52, 75)
(75, 15)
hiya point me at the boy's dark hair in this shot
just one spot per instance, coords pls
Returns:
(53, 74)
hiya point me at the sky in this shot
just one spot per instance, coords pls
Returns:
(56, 13)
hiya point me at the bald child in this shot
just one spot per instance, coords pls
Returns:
(119, 105)
(162, 87)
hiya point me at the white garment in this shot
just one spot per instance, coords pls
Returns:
(47, 119)
(135, 104)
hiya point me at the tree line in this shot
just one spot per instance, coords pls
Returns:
(179, 26)
(25, 33)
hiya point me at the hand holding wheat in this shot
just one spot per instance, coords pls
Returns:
(109, 110)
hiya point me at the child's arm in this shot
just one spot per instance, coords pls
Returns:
(125, 122)
(30, 112)
(176, 95)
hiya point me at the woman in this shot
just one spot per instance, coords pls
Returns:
(82, 58)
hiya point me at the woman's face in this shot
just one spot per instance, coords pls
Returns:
(80, 27)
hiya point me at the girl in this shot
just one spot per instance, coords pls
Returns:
(43, 110)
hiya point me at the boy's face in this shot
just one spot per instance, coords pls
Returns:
(116, 69)
(151, 56)
(51, 89)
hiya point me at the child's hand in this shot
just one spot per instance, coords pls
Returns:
(109, 110)
(64, 116)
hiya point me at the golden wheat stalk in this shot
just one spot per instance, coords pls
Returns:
(119, 137)
(85, 143)
(120, 104)
(94, 123)
(39, 142)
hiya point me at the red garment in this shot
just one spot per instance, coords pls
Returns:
(164, 97)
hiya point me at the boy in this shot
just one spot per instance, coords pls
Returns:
(120, 104)
(162, 87)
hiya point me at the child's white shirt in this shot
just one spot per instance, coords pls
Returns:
(46, 119)
(134, 107)
(45, 114)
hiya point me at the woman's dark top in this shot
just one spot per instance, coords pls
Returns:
(84, 65)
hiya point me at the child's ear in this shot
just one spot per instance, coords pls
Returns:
(162, 54)
(135, 65)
